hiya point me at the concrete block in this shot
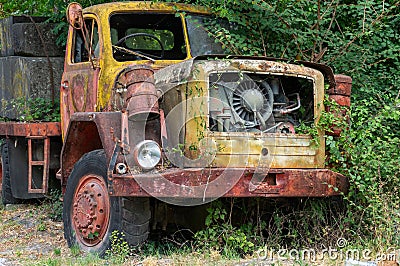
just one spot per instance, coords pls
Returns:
(19, 36)
(26, 77)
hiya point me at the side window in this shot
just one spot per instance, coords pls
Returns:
(86, 42)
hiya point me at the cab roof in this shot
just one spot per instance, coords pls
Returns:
(118, 7)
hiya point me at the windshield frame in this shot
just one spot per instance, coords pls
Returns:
(162, 61)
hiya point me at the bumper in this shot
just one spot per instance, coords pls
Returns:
(237, 182)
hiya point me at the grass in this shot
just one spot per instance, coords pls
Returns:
(30, 236)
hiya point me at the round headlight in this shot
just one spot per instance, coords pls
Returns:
(147, 154)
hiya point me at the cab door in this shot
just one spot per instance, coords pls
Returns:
(81, 70)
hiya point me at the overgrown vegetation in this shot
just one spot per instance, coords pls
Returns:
(357, 38)
(223, 236)
(53, 205)
(120, 249)
(33, 109)
(241, 227)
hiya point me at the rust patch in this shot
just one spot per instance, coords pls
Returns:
(343, 85)
(141, 98)
(82, 137)
(30, 129)
(79, 92)
(91, 210)
(74, 15)
(341, 100)
(278, 183)
(264, 66)
(341, 95)
(87, 132)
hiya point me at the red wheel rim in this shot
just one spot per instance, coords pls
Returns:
(91, 210)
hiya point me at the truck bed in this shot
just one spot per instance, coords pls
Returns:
(38, 129)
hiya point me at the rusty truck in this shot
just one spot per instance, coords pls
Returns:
(153, 111)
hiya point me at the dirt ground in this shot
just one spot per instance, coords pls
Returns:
(27, 234)
(29, 237)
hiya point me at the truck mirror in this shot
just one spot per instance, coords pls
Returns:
(74, 15)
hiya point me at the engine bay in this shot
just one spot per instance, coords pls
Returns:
(268, 103)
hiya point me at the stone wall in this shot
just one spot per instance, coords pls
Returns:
(24, 68)
(19, 36)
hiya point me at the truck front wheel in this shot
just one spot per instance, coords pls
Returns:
(90, 214)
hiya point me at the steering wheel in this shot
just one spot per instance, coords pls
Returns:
(123, 39)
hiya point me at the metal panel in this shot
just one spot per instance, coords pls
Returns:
(285, 183)
(30, 129)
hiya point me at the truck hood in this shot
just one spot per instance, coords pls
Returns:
(173, 75)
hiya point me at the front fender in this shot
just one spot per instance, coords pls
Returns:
(88, 131)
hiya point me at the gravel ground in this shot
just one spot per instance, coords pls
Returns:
(28, 235)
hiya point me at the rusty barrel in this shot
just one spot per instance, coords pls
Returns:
(341, 95)
(141, 97)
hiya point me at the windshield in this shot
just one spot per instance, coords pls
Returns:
(201, 35)
(141, 36)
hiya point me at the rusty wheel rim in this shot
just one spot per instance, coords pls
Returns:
(91, 210)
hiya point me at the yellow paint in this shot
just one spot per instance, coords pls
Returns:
(234, 149)
(109, 66)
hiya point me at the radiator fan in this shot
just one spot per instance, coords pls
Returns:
(252, 102)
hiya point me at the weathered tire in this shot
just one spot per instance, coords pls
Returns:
(90, 215)
(136, 216)
(6, 192)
